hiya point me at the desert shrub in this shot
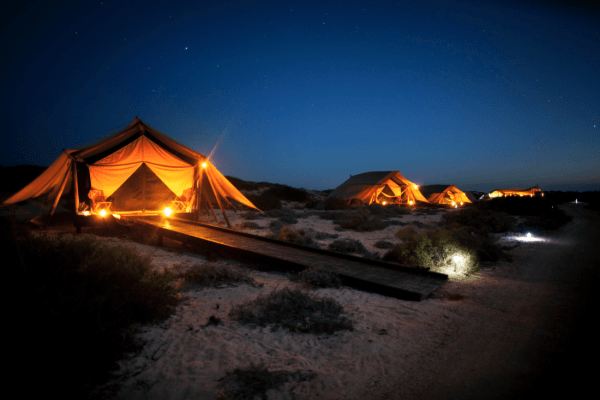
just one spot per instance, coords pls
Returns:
(295, 310)
(299, 236)
(348, 246)
(275, 227)
(433, 250)
(250, 225)
(317, 277)
(255, 380)
(325, 235)
(382, 244)
(481, 221)
(335, 203)
(265, 201)
(360, 220)
(212, 274)
(388, 211)
(288, 220)
(87, 298)
(249, 215)
(288, 193)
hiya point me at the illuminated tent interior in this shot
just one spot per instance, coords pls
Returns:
(516, 192)
(445, 195)
(137, 171)
(379, 187)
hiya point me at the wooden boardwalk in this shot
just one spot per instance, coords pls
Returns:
(375, 276)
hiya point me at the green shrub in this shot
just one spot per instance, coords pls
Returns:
(317, 277)
(295, 310)
(439, 251)
(86, 297)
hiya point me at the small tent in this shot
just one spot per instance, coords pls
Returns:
(445, 195)
(516, 192)
(139, 170)
(379, 186)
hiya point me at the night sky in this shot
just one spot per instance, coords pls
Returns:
(482, 95)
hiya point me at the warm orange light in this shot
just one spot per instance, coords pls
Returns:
(453, 203)
(384, 203)
(410, 202)
(103, 213)
(203, 165)
(461, 203)
(86, 213)
(416, 186)
(117, 216)
(167, 211)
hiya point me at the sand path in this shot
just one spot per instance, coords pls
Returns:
(502, 333)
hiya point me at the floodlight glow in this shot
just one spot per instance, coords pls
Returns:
(458, 258)
(103, 213)
(167, 211)
(528, 234)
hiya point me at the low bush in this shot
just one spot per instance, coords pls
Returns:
(249, 225)
(288, 220)
(212, 274)
(439, 251)
(335, 203)
(288, 193)
(265, 201)
(360, 220)
(299, 236)
(382, 244)
(481, 221)
(325, 235)
(348, 246)
(87, 298)
(317, 277)
(249, 215)
(294, 310)
(255, 380)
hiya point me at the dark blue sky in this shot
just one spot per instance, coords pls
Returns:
(483, 96)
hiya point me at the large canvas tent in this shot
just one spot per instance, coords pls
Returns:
(379, 186)
(138, 170)
(515, 192)
(444, 195)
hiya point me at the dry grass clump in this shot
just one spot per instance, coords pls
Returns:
(213, 274)
(295, 310)
(255, 380)
(383, 244)
(317, 277)
(325, 235)
(359, 219)
(480, 221)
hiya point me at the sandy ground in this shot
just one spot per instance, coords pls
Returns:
(511, 331)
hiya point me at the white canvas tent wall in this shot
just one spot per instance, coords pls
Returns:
(139, 162)
(372, 187)
(444, 194)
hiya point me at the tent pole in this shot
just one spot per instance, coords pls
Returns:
(220, 204)
(62, 187)
(209, 206)
(195, 203)
(75, 187)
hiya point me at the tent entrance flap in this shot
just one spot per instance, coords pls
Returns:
(142, 191)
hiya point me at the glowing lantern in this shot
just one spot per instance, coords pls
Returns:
(410, 202)
(453, 203)
(416, 186)
(461, 203)
(103, 213)
(167, 211)
(86, 213)
(203, 165)
(117, 216)
(384, 203)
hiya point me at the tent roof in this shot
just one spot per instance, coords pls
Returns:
(437, 194)
(367, 185)
(429, 189)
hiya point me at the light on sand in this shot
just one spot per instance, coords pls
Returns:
(167, 211)
(458, 258)
(103, 213)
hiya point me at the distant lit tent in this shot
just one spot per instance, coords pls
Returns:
(137, 171)
(516, 192)
(445, 195)
(379, 187)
